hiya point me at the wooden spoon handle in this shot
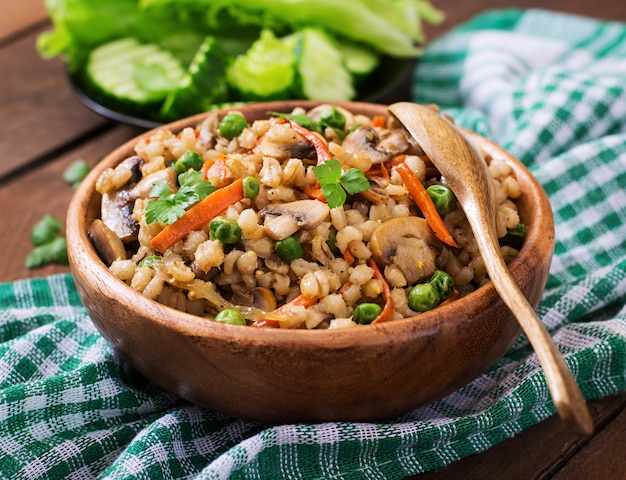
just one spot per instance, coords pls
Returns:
(564, 390)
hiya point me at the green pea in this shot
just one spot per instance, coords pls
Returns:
(443, 283)
(443, 198)
(514, 237)
(251, 187)
(331, 241)
(423, 297)
(231, 316)
(365, 313)
(226, 230)
(289, 249)
(332, 117)
(232, 125)
(189, 160)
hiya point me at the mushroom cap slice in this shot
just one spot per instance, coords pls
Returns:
(282, 143)
(117, 205)
(409, 243)
(108, 245)
(308, 213)
(379, 144)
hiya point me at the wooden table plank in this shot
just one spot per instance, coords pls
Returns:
(42, 191)
(17, 16)
(604, 456)
(536, 453)
(38, 111)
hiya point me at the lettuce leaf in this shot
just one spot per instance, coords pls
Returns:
(392, 27)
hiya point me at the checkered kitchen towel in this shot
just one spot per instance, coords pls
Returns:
(548, 87)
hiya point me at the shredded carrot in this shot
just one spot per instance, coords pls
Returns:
(344, 287)
(321, 149)
(315, 192)
(376, 171)
(425, 204)
(397, 160)
(203, 211)
(384, 172)
(379, 121)
(348, 257)
(299, 301)
(387, 313)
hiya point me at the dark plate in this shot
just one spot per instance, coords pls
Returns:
(391, 82)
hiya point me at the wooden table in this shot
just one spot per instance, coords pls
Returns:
(44, 129)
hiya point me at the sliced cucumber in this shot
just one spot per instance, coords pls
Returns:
(321, 70)
(359, 59)
(203, 85)
(130, 73)
(265, 71)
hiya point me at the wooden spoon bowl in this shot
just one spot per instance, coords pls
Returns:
(273, 375)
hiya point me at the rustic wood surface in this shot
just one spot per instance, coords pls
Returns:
(44, 129)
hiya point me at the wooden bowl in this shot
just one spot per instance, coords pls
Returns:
(277, 375)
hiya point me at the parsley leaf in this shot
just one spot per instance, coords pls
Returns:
(76, 172)
(354, 181)
(49, 243)
(336, 183)
(169, 207)
(301, 119)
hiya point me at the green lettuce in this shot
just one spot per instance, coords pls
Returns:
(392, 27)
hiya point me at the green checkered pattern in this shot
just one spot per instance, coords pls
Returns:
(548, 87)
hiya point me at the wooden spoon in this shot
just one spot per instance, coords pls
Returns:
(466, 173)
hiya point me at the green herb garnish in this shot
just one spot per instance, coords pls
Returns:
(169, 207)
(336, 183)
(330, 117)
(76, 172)
(50, 245)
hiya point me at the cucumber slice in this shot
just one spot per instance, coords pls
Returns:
(265, 71)
(359, 59)
(129, 73)
(203, 85)
(321, 70)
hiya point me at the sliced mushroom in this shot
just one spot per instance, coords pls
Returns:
(258, 297)
(305, 214)
(117, 205)
(207, 129)
(320, 251)
(376, 193)
(282, 142)
(408, 243)
(107, 243)
(379, 144)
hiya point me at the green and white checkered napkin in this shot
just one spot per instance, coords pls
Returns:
(548, 87)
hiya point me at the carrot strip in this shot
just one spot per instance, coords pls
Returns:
(321, 149)
(348, 257)
(397, 160)
(344, 287)
(378, 121)
(374, 172)
(299, 301)
(203, 211)
(425, 204)
(387, 313)
(315, 192)
(384, 172)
